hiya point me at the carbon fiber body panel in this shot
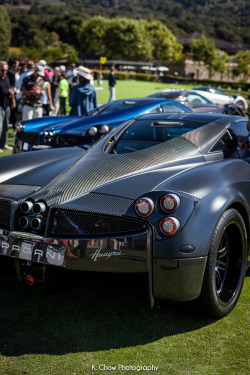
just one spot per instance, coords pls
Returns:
(99, 203)
(16, 191)
(87, 174)
(178, 279)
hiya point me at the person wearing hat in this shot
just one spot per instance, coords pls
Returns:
(32, 91)
(42, 62)
(82, 96)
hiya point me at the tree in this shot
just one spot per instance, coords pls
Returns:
(5, 32)
(165, 47)
(204, 50)
(123, 38)
(220, 64)
(92, 34)
(243, 64)
(126, 39)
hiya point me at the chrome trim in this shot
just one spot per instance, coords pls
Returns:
(27, 236)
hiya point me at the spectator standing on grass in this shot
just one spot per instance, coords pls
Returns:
(112, 83)
(46, 99)
(6, 92)
(82, 96)
(32, 91)
(55, 89)
(63, 93)
(13, 77)
(28, 69)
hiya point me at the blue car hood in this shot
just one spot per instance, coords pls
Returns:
(39, 124)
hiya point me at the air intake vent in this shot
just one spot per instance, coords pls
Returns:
(71, 223)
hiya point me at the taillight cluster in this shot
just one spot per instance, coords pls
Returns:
(168, 204)
(33, 218)
(20, 126)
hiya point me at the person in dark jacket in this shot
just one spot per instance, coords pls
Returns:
(112, 83)
(82, 96)
(6, 93)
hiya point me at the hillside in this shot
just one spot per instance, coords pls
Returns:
(224, 19)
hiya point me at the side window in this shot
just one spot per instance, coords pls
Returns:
(241, 133)
(226, 143)
(193, 98)
(174, 107)
(155, 110)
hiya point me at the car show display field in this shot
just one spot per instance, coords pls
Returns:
(107, 322)
(105, 327)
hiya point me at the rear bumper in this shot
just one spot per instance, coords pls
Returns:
(119, 254)
(168, 279)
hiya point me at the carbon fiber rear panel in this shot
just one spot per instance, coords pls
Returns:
(87, 174)
(16, 191)
(99, 203)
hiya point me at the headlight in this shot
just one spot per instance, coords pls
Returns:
(104, 129)
(92, 131)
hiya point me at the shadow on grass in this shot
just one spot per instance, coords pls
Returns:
(91, 314)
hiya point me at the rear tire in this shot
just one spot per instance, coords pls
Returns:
(226, 266)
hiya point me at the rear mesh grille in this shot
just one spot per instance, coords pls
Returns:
(73, 223)
(29, 137)
(5, 214)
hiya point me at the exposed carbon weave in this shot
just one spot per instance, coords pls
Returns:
(5, 214)
(16, 191)
(92, 171)
(99, 203)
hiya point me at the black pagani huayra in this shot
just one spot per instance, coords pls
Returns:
(164, 195)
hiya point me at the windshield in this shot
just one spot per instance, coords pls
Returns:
(143, 134)
(117, 106)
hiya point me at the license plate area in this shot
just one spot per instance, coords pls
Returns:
(42, 251)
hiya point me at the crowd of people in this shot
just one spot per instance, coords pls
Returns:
(31, 90)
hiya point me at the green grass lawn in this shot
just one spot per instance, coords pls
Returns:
(107, 322)
(136, 89)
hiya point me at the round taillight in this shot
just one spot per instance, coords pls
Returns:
(20, 126)
(169, 202)
(144, 206)
(169, 226)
